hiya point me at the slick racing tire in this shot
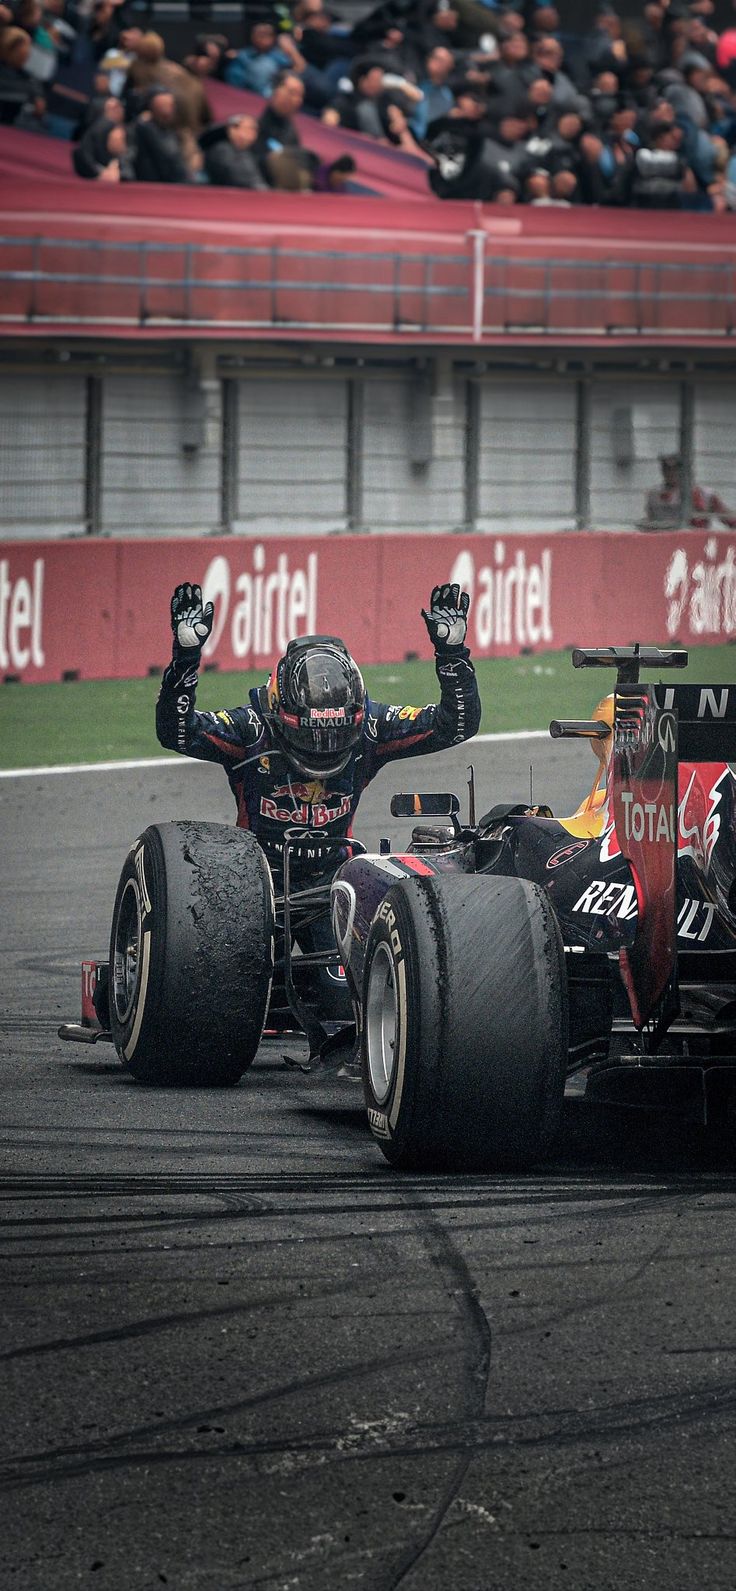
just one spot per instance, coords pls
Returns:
(191, 954)
(464, 1024)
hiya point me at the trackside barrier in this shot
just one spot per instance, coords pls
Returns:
(459, 288)
(99, 609)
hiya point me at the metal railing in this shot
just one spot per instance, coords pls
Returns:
(85, 283)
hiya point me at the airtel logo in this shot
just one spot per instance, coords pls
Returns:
(265, 609)
(511, 603)
(21, 616)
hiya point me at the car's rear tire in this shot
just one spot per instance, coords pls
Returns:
(464, 1024)
(191, 954)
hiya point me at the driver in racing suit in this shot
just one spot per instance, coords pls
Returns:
(300, 753)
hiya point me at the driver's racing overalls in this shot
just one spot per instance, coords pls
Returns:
(275, 801)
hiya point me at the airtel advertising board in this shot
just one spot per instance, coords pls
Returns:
(99, 609)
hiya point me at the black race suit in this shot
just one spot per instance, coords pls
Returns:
(272, 799)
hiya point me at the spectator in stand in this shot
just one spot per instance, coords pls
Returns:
(665, 509)
(493, 94)
(604, 49)
(103, 154)
(21, 100)
(510, 76)
(548, 55)
(661, 177)
(230, 159)
(437, 22)
(360, 104)
(603, 100)
(335, 177)
(209, 57)
(326, 50)
(686, 93)
(104, 29)
(151, 68)
(283, 161)
(616, 160)
(469, 164)
(477, 20)
(161, 152)
(264, 58)
(437, 95)
(542, 189)
(50, 36)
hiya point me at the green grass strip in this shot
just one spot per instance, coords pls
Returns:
(105, 720)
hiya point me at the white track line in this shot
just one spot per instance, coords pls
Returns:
(168, 762)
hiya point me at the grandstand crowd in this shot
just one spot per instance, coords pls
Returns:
(499, 100)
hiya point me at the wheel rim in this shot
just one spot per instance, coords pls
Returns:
(126, 953)
(381, 1024)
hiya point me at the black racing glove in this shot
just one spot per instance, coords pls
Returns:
(447, 620)
(190, 622)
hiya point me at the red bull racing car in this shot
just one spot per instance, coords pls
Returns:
(486, 964)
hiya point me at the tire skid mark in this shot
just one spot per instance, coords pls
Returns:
(462, 1441)
(289, 1389)
(154, 1324)
(448, 1259)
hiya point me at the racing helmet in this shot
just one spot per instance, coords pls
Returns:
(314, 704)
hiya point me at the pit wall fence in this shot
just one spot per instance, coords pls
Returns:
(100, 610)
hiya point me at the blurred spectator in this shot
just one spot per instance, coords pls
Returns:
(103, 153)
(161, 151)
(360, 103)
(209, 56)
(327, 52)
(151, 67)
(542, 189)
(478, 19)
(283, 161)
(604, 49)
(103, 31)
(660, 176)
(686, 92)
(437, 95)
(257, 66)
(603, 99)
(230, 159)
(616, 160)
(498, 97)
(437, 22)
(665, 509)
(548, 55)
(21, 100)
(335, 177)
(468, 163)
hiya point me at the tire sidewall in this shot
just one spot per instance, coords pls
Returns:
(388, 1118)
(479, 1075)
(142, 868)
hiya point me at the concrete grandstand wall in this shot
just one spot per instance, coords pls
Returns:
(174, 442)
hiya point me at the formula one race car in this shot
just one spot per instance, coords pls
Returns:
(486, 964)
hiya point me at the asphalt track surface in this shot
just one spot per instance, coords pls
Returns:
(239, 1351)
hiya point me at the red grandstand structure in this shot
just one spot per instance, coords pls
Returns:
(92, 273)
(143, 260)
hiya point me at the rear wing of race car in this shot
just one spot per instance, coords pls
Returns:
(655, 727)
(644, 797)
